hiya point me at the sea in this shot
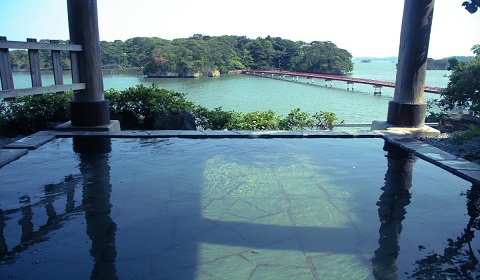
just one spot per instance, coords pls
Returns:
(247, 93)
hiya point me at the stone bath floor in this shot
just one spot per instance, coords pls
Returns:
(262, 224)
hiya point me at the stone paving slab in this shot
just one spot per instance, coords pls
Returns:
(163, 133)
(9, 155)
(462, 168)
(192, 134)
(30, 142)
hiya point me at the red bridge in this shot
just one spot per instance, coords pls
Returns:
(349, 80)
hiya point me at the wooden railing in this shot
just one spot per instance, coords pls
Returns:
(33, 47)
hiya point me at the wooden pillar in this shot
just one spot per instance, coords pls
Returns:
(6, 75)
(89, 108)
(407, 108)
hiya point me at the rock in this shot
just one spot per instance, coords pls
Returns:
(170, 121)
(454, 122)
(214, 73)
(127, 120)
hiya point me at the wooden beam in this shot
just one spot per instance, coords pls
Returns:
(39, 46)
(13, 93)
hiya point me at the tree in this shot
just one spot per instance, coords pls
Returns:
(323, 57)
(463, 88)
(471, 6)
(452, 64)
(476, 49)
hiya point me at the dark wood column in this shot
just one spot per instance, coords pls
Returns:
(89, 108)
(407, 108)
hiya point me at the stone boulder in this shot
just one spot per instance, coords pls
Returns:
(454, 122)
(214, 73)
(127, 120)
(170, 121)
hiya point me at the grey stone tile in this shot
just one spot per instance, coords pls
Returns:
(223, 134)
(472, 175)
(460, 164)
(9, 155)
(192, 134)
(163, 133)
(30, 142)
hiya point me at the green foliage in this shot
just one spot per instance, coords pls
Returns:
(323, 57)
(20, 60)
(471, 131)
(215, 119)
(437, 64)
(204, 54)
(476, 49)
(433, 117)
(296, 120)
(325, 120)
(25, 115)
(257, 120)
(142, 101)
(218, 119)
(471, 6)
(448, 63)
(463, 88)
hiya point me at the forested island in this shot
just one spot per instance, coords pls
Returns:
(444, 63)
(211, 56)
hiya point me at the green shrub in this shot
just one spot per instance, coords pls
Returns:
(215, 119)
(472, 131)
(28, 114)
(142, 101)
(296, 120)
(257, 120)
(325, 120)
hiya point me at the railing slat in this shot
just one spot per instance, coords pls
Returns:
(74, 66)
(13, 93)
(57, 65)
(35, 72)
(39, 46)
(5, 67)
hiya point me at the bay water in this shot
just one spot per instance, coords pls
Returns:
(246, 93)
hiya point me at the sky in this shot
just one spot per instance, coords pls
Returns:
(367, 28)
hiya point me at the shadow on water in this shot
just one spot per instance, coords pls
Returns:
(392, 210)
(178, 258)
(94, 156)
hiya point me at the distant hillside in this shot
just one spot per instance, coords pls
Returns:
(442, 64)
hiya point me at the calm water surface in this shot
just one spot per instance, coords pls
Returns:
(244, 93)
(232, 209)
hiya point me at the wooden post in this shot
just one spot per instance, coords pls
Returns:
(407, 108)
(89, 108)
(57, 65)
(35, 72)
(5, 68)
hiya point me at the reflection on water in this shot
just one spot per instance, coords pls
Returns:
(460, 258)
(392, 210)
(229, 209)
(101, 229)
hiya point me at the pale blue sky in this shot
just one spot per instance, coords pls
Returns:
(365, 28)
